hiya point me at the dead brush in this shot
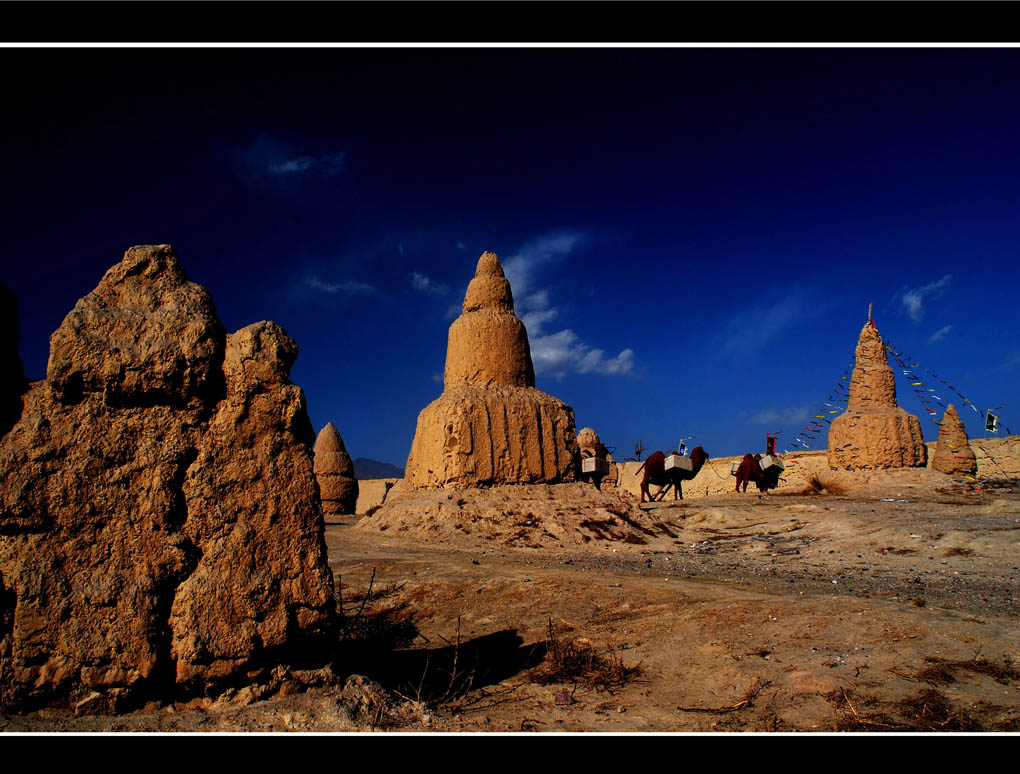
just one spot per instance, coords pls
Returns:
(941, 671)
(372, 626)
(570, 660)
(817, 486)
(957, 551)
(929, 710)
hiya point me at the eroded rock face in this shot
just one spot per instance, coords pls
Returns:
(145, 336)
(159, 521)
(334, 470)
(12, 372)
(491, 426)
(953, 454)
(874, 432)
(263, 583)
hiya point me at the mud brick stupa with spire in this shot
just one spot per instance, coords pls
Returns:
(491, 426)
(874, 432)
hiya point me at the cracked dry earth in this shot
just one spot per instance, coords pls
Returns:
(891, 611)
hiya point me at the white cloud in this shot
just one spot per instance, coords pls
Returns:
(798, 416)
(427, 285)
(330, 164)
(520, 267)
(561, 353)
(913, 300)
(939, 333)
(535, 310)
(752, 328)
(348, 286)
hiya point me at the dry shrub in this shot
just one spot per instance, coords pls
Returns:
(817, 486)
(958, 552)
(897, 551)
(577, 661)
(664, 528)
(940, 671)
(929, 710)
(367, 624)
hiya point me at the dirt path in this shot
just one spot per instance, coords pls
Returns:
(787, 613)
(733, 609)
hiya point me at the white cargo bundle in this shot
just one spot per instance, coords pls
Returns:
(682, 463)
(595, 465)
(734, 466)
(768, 462)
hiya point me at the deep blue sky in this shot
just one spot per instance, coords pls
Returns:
(693, 235)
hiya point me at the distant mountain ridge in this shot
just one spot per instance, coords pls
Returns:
(365, 468)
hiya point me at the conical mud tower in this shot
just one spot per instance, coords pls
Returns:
(491, 426)
(952, 450)
(334, 471)
(874, 432)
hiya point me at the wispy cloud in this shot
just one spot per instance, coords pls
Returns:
(520, 268)
(750, 329)
(941, 332)
(1012, 361)
(425, 284)
(348, 287)
(276, 163)
(913, 300)
(797, 415)
(330, 164)
(561, 353)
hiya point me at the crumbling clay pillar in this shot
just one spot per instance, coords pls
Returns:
(335, 473)
(491, 426)
(953, 454)
(874, 432)
(12, 373)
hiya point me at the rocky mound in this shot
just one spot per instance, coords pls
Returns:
(334, 470)
(874, 432)
(953, 454)
(12, 372)
(491, 426)
(159, 520)
(534, 516)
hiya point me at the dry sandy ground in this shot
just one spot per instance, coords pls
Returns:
(894, 606)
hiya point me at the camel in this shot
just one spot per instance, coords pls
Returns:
(656, 473)
(750, 470)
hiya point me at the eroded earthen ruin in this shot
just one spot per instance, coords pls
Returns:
(491, 426)
(159, 522)
(590, 446)
(874, 432)
(953, 454)
(12, 372)
(334, 470)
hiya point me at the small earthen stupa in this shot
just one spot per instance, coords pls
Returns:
(589, 445)
(334, 471)
(874, 432)
(953, 454)
(491, 426)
